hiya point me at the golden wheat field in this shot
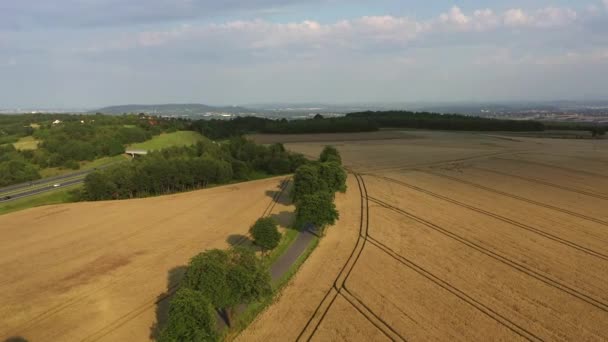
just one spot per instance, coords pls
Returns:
(101, 271)
(442, 236)
(456, 236)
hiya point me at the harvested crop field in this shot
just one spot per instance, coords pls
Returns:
(457, 236)
(100, 271)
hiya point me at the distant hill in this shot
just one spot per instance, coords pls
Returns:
(179, 109)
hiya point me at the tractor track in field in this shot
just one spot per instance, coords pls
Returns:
(456, 292)
(502, 259)
(541, 182)
(339, 285)
(499, 217)
(567, 169)
(523, 199)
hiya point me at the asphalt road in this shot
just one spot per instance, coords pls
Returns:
(24, 189)
(40, 190)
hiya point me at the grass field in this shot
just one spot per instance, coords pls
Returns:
(457, 237)
(85, 165)
(26, 143)
(181, 138)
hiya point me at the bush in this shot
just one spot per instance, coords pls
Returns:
(265, 233)
(317, 209)
(330, 154)
(191, 318)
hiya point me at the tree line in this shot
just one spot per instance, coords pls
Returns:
(456, 122)
(314, 189)
(178, 169)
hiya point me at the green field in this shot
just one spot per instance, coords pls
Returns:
(63, 195)
(26, 143)
(85, 165)
(180, 138)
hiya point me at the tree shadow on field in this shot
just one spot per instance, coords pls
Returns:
(278, 197)
(284, 219)
(174, 277)
(16, 339)
(236, 240)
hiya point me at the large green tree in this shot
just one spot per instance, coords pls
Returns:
(228, 278)
(191, 318)
(265, 233)
(317, 209)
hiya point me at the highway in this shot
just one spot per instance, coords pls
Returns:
(17, 191)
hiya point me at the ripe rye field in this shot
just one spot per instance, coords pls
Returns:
(456, 236)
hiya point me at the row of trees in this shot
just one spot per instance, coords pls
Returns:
(214, 280)
(219, 281)
(315, 185)
(186, 168)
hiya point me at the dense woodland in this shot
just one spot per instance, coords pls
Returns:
(72, 139)
(186, 168)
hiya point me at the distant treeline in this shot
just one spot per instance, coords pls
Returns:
(221, 129)
(186, 168)
(359, 122)
(450, 122)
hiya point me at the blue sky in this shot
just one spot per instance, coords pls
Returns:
(77, 53)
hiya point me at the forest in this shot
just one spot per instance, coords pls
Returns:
(65, 140)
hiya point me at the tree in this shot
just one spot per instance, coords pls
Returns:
(191, 318)
(317, 209)
(265, 233)
(330, 154)
(306, 181)
(228, 278)
(334, 175)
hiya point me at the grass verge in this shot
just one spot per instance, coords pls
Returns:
(254, 309)
(63, 195)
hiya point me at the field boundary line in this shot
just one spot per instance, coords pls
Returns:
(521, 268)
(500, 218)
(523, 199)
(575, 190)
(456, 292)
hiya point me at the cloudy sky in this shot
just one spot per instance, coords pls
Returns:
(88, 53)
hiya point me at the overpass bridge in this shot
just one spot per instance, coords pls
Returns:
(134, 153)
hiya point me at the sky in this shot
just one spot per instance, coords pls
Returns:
(93, 53)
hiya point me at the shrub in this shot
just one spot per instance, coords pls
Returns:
(191, 318)
(265, 233)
